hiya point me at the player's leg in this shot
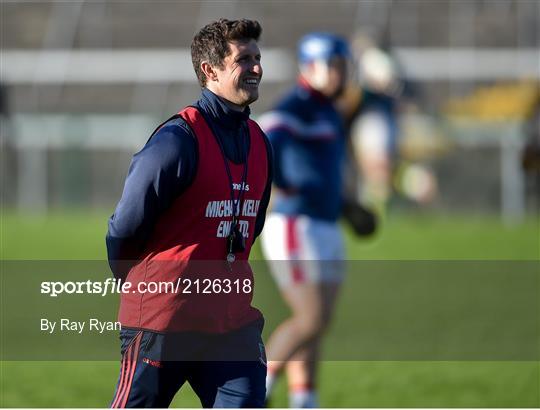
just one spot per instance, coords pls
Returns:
(303, 326)
(234, 376)
(309, 285)
(302, 329)
(281, 247)
(302, 367)
(307, 253)
(301, 380)
(144, 380)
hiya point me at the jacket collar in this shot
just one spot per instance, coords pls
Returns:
(219, 112)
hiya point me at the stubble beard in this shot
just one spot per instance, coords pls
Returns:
(246, 97)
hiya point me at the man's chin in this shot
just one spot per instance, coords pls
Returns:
(252, 97)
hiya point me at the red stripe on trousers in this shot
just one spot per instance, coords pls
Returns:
(120, 388)
(292, 250)
(135, 358)
(128, 369)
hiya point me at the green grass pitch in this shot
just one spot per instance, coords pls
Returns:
(80, 235)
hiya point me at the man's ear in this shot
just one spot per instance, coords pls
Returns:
(208, 71)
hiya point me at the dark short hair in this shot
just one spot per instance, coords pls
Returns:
(211, 42)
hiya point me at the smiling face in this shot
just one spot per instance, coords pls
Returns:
(237, 81)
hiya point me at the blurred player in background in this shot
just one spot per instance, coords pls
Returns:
(197, 191)
(302, 240)
(370, 109)
(371, 106)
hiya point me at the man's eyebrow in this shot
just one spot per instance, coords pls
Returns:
(246, 54)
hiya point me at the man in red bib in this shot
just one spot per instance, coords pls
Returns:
(194, 201)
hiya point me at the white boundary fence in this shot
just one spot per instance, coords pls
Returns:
(174, 65)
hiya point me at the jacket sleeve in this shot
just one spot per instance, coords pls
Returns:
(274, 124)
(158, 174)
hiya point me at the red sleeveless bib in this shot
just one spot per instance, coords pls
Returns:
(188, 246)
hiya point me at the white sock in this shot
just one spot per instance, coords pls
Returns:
(270, 382)
(303, 399)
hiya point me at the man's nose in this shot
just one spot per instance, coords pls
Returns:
(257, 68)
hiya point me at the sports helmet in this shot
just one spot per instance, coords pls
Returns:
(322, 46)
